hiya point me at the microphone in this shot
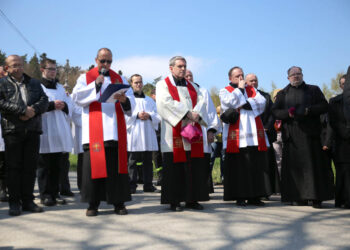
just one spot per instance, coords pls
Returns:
(103, 71)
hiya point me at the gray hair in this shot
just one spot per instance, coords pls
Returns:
(174, 59)
(288, 71)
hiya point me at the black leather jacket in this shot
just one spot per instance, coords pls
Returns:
(12, 105)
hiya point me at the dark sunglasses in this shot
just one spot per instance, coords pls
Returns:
(105, 61)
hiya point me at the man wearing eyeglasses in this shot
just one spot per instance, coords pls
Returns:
(306, 175)
(56, 138)
(105, 169)
(22, 101)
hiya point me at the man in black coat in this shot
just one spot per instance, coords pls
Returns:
(341, 130)
(306, 174)
(346, 97)
(22, 101)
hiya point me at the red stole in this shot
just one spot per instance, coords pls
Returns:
(233, 130)
(197, 150)
(97, 149)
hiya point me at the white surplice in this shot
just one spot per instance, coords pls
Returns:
(213, 119)
(172, 112)
(84, 94)
(56, 136)
(141, 134)
(76, 129)
(247, 127)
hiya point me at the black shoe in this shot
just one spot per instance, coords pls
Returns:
(241, 203)
(176, 207)
(15, 209)
(92, 209)
(32, 207)
(133, 190)
(158, 183)
(299, 203)
(256, 202)
(67, 193)
(317, 204)
(48, 201)
(120, 209)
(91, 212)
(150, 189)
(60, 200)
(194, 205)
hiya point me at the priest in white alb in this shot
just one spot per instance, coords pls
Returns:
(105, 170)
(244, 141)
(142, 138)
(181, 104)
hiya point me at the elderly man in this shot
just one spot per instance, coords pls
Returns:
(105, 169)
(245, 141)
(181, 103)
(22, 101)
(142, 138)
(214, 126)
(272, 176)
(56, 138)
(342, 148)
(306, 176)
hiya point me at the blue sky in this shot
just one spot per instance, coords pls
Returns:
(261, 36)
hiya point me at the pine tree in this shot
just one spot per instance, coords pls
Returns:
(2, 58)
(33, 67)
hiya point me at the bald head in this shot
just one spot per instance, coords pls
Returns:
(189, 75)
(11, 58)
(14, 66)
(252, 80)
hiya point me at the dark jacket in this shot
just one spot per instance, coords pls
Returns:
(338, 122)
(302, 98)
(12, 105)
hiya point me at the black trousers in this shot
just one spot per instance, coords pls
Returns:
(21, 153)
(3, 172)
(49, 174)
(80, 169)
(64, 185)
(146, 158)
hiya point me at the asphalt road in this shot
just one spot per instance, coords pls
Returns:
(149, 225)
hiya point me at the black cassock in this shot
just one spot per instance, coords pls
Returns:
(271, 173)
(341, 130)
(184, 181)
(113, 189)
(306, 174)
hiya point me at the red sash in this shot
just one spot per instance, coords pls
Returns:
(233, 130)
(197, 150)
(97, 149)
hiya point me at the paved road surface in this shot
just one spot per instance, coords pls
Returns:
(150, 225)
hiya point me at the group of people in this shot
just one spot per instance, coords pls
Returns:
(111, 136)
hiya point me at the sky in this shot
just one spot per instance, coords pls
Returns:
(264, 37)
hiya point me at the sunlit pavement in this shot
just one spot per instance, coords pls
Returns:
(149, 225)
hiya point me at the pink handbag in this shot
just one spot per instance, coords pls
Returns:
(191, 133)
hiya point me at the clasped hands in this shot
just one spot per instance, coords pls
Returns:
(30, 113)
(143, 115)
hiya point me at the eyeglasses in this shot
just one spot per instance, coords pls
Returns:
(295, 74)
(16, 66)
(51, 69)
(105, 61)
